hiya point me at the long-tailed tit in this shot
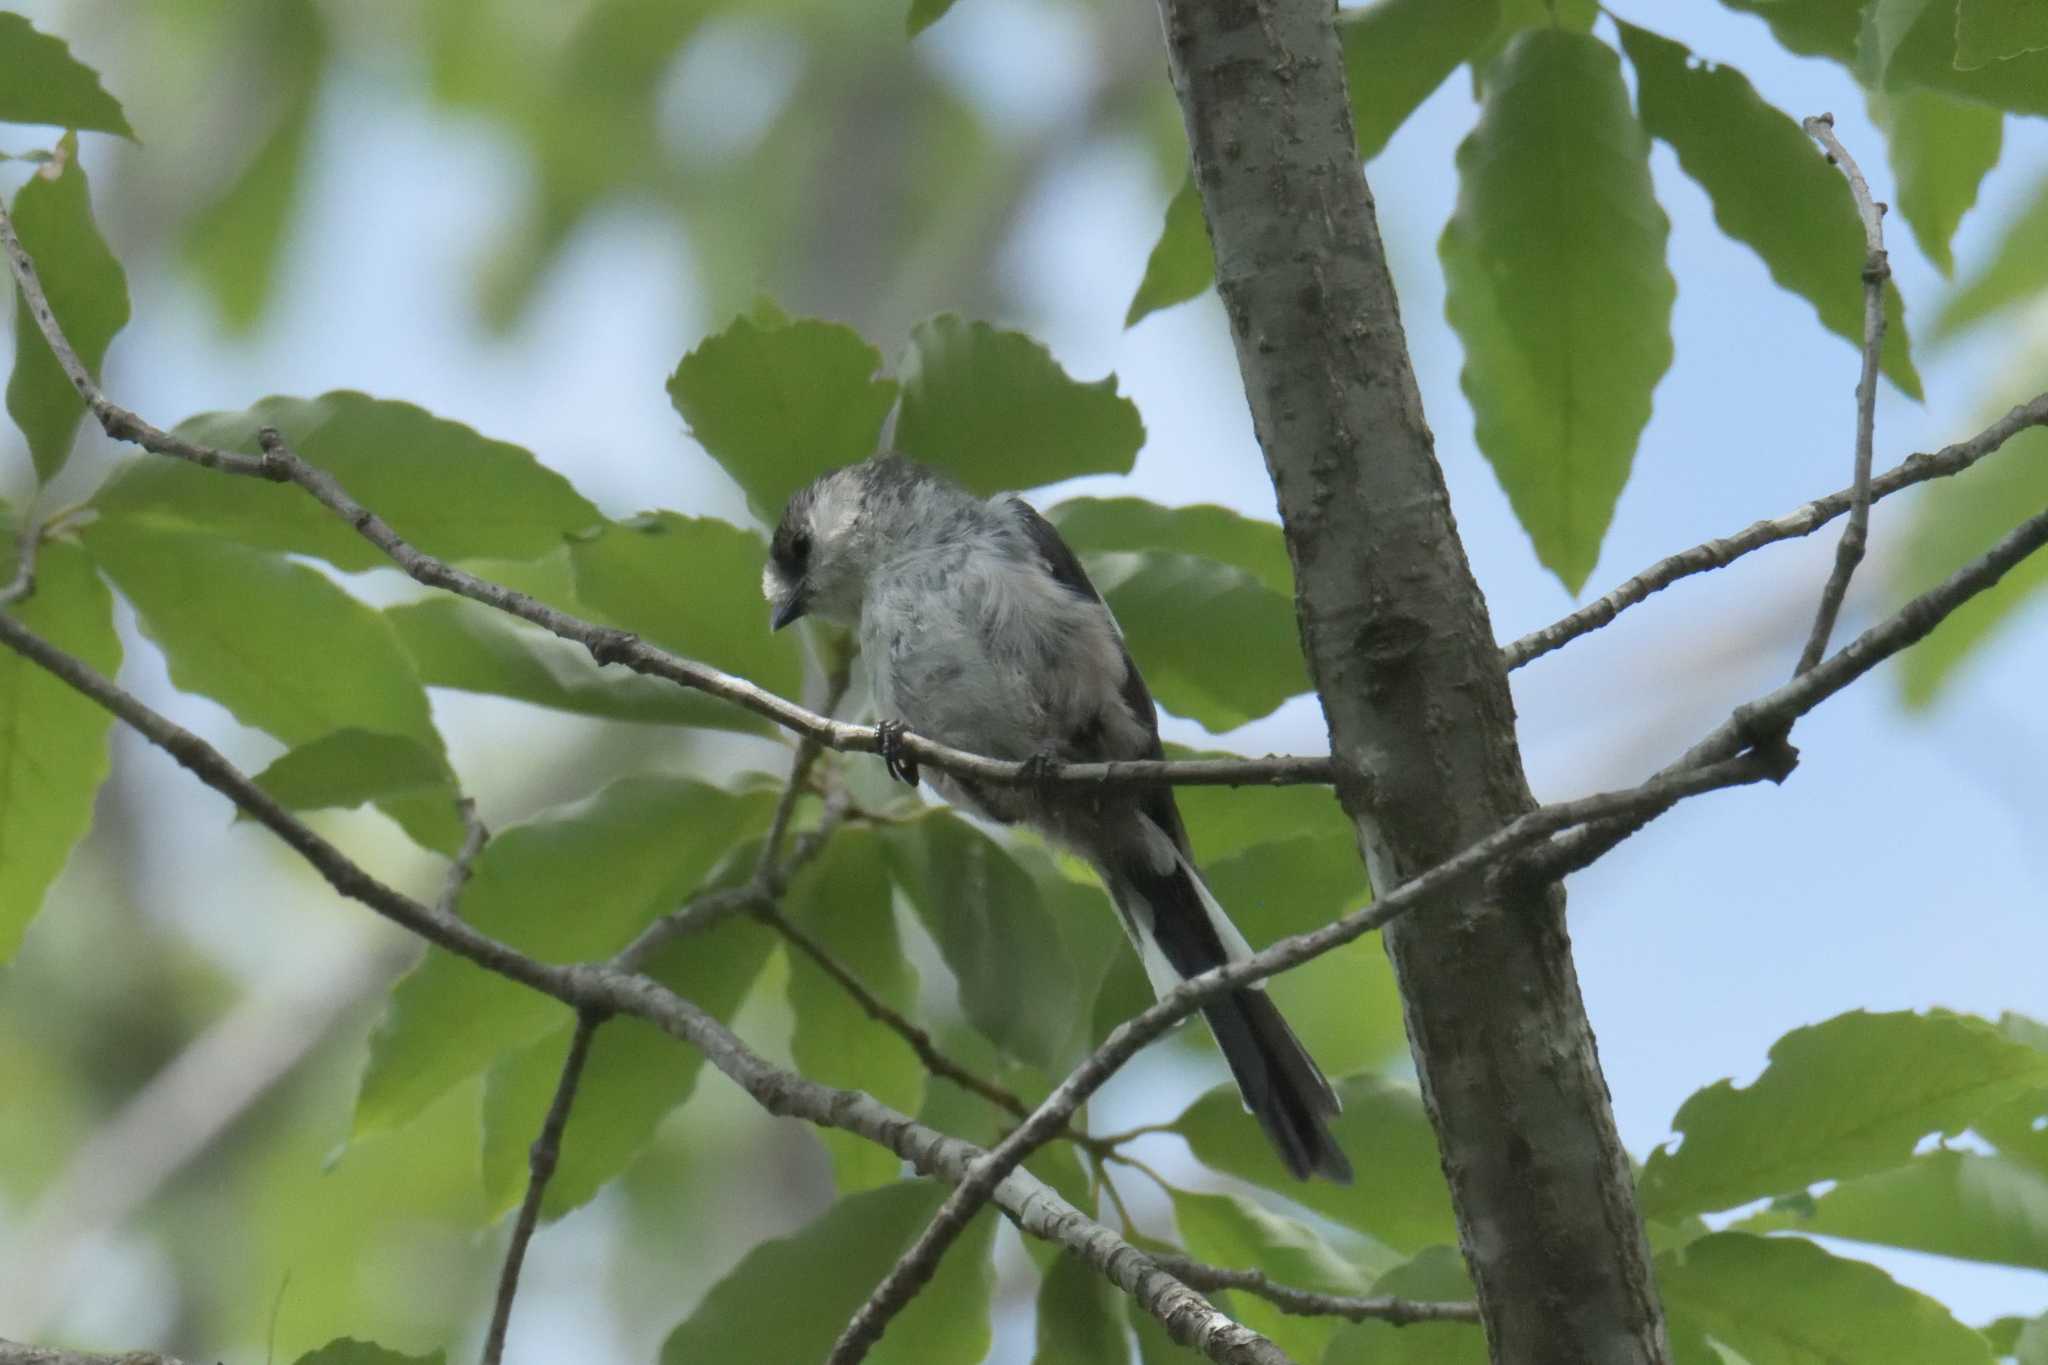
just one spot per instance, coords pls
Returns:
(980, 629)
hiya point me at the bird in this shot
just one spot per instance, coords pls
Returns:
(980, 629)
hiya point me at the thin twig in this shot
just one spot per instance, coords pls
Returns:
(19, 1353)
(1718, 554)
(837, 679)
(1876, 270)
(540, 1164)
(475, 835)
(1309, 1304)
(23, 583)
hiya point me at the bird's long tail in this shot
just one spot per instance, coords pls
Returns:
(1180, 931)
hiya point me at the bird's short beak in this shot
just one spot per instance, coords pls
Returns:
(789, 609)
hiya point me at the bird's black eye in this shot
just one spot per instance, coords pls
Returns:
(800, 546)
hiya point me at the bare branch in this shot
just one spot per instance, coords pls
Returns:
(475, 836)
(17, 1353)
(1307, 1304)
(540, 1162)
(24, 581)
(1876, 270)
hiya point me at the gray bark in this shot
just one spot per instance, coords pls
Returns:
(1403, 656)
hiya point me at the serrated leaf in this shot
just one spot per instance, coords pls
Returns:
(689, 584)
(1556, 284)
(1839, 1099)
(1784, 1301)
(925, 13)
(571, 885)
(748, 1317)
(53, 741)
(844, 901)
(994, 410)
(1078, 1322)
(1906, 43)
(1990, 31)
(441, 485)
(1226, 1230)
(87, 291)
(779, 402)
(1017, 984)
(41, 82)
(473, 648)
(349, 1351)
(1437, 1274)
(1948, 1203)
(635, 1074)
(1770, 188)
(1399, 1196)
(1397, 52)
(1941, 149)
(1182, 263)
(1106, 525)
(2016, 270)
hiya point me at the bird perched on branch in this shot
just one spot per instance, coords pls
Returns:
(980, 630)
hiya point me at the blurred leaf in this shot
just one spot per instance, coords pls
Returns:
(1953, 524)
(448, 490)
(1226, 1230)
(1518, 17)
(1906, 43)
(1174, 607)
(53, 741)
(88, 293)
(2019, 1130)
(1105, 525)
(1811, 28)
(473, 648)
(689, 584)
(571, 885)
(1017, 984)
(1225, 820)
(778, 403)
(1397, 52)
(845, 902)
(996, 411)
(837, 1260)
(1554, 262)
(1078, 1323)
(1990, 31)
(925, 13)
(41, 82)
(1437, 1274)
(635, 1074)
(1784, 1301)
(1839, 1099)
(1399, 1196)
(2030, 1344)
(234, 243)
(1948, 1203)
(349, 1351)
(2015, 271)
(353, 767)
(1941, 150)
(1771, 188)
(1182, 263)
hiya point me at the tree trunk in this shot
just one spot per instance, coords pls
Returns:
(1403, 656)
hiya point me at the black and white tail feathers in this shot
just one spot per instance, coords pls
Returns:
(1180, 931)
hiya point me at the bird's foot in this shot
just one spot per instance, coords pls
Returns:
(889, 743)
(1040, 769)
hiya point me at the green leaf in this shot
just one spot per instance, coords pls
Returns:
(1811, 28)
(53, 741)
(2016, 270)
(1437, 1274)
(41, 82)
(1839, 1099)
(1771, 188)
(749, 1316)
(448, 490)
(1399, 1196)
(688, 584)
(925, 13)
(1226, 1230)
(88, 293)
(349, 1351)
(1017, 984)
(1078, 1323)
(635, 1074)
(1907, 43)
(1941, 150)
(778, 403)
(474, 648)
(353, 767)
(1979, 1208)
(844, 901)
(2019, 1130)
(1182, 263)
(1953, 524)
(996, 411)
(1990, 31)
(2030, 1344)
(1107, 525)
(572, 885)
(1397, 52)
(1784, 1301)
(1554, 262)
